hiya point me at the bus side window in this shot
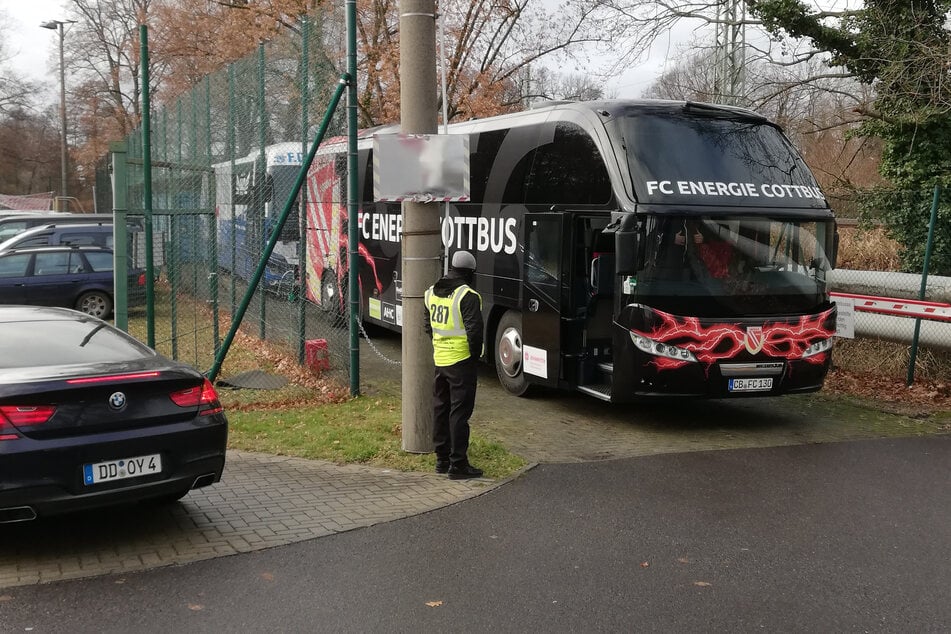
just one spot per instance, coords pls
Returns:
(569, 170)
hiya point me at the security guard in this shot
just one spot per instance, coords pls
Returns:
(455, 323)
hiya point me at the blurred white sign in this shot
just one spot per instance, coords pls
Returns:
(421, 167)
(845, 317)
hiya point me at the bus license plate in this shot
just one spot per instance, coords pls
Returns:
(121, 469)
(751, 385)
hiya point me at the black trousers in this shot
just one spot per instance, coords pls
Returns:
(454, 392)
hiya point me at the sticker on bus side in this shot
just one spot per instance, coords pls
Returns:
(535, 361)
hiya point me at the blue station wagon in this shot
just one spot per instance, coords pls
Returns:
(70, 277)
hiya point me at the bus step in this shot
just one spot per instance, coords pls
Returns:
(597, 390)
(607, 368)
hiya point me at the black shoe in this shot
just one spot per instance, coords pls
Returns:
(465, 472)
(442, 466)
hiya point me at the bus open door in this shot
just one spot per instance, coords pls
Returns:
(542, 272)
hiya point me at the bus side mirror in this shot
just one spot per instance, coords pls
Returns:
(629, 248)
(833, 257)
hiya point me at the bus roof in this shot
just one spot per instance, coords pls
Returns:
(605, 110)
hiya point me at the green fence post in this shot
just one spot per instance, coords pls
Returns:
(924, 282)
(147, 186)
(353, 196)
(230, 185)
(173, 241)
(260, 222)
(192, 202)
(120, 183)
(212, 221)
(302, 205)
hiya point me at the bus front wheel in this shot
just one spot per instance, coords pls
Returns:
(508, 354)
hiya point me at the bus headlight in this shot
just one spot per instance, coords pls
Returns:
(660, 349)
(817, 347)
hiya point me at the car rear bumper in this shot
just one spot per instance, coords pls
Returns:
(47, 476)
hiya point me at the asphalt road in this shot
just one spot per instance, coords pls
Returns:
(849, 536)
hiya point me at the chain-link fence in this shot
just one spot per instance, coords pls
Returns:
(224, 159)
(894, 259)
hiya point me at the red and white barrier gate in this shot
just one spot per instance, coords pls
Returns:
(937, 311)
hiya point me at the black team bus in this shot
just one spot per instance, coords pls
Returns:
(625, 249)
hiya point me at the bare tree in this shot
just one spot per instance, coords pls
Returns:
(16, 92)
(817, 111)
(543, 84)
(103, 55)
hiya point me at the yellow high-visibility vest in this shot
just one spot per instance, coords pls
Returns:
(450, 344)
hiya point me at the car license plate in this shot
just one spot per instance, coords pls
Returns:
(751, 385)
(121, 469)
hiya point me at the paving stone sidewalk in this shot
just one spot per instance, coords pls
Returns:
(261, 501)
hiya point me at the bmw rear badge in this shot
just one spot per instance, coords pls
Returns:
(117, 400)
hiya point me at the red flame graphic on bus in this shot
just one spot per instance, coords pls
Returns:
(327, 241)
(713, 342)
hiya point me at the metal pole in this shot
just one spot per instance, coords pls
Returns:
(62, 114)
(120, 208)
(211, 220)
(924, 282)
(230, 185)
(59, 25)
(302, 203)
(445, 117)
(147, 187)
(421, 236)
(353, 201)
(260, 185)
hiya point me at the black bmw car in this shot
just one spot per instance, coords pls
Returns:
(91, 417)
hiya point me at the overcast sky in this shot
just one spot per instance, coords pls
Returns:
(30, 46)
(34, 50)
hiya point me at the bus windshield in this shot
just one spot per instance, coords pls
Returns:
(735, 266)
(715, 160)
(282, 180)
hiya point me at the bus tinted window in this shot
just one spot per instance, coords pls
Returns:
(569, 170)
(481, 158)
(720, 161)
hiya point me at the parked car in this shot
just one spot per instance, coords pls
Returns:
(98, 234)
(11, 225)
(71, 277)
(91, 417)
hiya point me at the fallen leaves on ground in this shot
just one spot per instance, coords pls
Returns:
(924, 395)
(434, 604)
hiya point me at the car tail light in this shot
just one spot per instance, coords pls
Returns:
(13, 417)
(203, 396)
(141, 280)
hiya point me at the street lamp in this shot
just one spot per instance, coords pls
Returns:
(58, 25)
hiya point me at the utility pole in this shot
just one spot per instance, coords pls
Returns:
(54, 25)
(421, 230)
(729, 80)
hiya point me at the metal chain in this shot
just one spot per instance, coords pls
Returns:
(375, 349)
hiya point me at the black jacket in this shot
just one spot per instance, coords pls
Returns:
(470, 307)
